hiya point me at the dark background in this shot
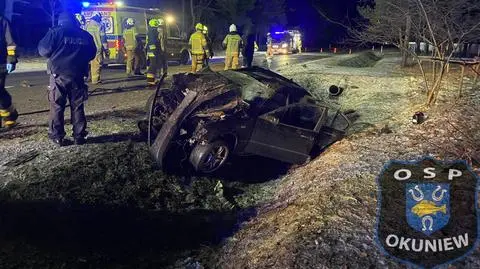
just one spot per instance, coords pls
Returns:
(33, 20)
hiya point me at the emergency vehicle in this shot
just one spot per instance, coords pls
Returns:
(114, 16)
(286, 42)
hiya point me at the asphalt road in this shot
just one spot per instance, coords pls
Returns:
(29, 89)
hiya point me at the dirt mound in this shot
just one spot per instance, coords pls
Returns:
(364, 59)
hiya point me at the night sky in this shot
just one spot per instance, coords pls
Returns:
(300, 14)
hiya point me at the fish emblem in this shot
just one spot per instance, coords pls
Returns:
(425, 207)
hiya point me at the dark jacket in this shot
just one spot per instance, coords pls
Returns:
(68, 48)
(6, 44)
(153, 44)
(249, 41)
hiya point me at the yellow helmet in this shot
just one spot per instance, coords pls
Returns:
(153, 22)
(205, 29)
(199, 27)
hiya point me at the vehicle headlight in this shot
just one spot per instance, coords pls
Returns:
(275, 46)
(284, 46)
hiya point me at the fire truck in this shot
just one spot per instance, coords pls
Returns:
(114, 16)
(286, 42)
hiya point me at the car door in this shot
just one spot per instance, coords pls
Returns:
(287, 133)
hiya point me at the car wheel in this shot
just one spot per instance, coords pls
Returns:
(185, 57)
(210, 157)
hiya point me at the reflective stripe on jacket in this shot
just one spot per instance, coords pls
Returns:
(98, 33)
(233, 43)
(130, 38)
(198, 43)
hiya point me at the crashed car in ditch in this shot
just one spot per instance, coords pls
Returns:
(209, 115)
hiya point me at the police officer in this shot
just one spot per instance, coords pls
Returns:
(8, 61)
(198, 47)
(209, 45)
(130, 40)
(233, 43)
(152, 50)
(249, 49)
(97, 30)
(162, 48)
(68, 49)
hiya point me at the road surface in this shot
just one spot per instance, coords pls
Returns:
(29, 89)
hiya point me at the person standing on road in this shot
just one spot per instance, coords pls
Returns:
(249, 49)
(8, 61)
(269, 45)
(209, 46)
(163, 55)
(233, 43)
(130, 40)
(153, 50)
(97, 30)
(198, 47)
(68, 49)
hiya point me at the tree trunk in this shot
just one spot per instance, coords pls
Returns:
(192, 13)
(52, 10)
(406, 40)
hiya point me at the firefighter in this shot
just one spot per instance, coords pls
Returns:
(198, 47)
(209, 46)
(233, 43)
(152, 50)
(69, 49)
(97, 30)
(269, 45)
(8, 60)
(162, 49)
(130, 37)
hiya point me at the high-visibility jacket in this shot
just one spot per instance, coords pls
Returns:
(7, 45)
(232, 42)
(198, 43)
(130, 38)
(98, 32)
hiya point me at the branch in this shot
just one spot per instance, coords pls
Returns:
(328, 19)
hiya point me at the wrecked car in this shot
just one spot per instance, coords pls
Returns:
(205, 117)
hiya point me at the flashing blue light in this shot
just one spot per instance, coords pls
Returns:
(85, 4)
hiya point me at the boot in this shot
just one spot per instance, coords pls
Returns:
(9, 115)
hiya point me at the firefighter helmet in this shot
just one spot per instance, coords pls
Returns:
(199, 27)
(161, 22)
(233, 28)
(130, 22)
(153, 23)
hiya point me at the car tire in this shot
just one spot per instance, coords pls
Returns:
(185, 57)
(209, 157)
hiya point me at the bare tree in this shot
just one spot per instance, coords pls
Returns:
(199, 9)
(441, 24)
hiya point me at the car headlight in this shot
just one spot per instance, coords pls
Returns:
(275, 46)
(284, 46)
